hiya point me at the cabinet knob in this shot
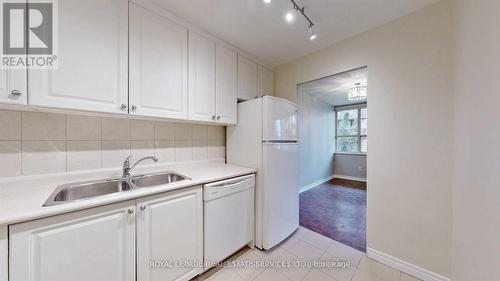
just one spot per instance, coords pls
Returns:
(143, 207)
(130, 211)
(213, 117)
(123, 107)
(218, 117)
(133, 108)
(16, 92)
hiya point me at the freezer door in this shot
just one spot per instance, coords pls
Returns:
(280, 192)
(279, 120)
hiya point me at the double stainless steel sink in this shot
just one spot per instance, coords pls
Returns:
(90, 189)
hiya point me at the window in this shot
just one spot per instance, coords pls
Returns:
(352, 129)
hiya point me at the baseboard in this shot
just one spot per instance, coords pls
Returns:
(405, 267)
(316, 183)
(349, 178)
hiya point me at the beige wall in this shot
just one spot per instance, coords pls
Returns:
(411, 115)
(40, 143)
(476, 193)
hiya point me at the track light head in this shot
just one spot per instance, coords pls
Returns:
(312, 35)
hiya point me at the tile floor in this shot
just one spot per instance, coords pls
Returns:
(306, 245)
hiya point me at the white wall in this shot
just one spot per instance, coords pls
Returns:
(476, 193)
(411, 117)
(316, 139)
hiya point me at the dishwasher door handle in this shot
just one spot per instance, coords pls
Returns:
(223, 188)
(229, 184)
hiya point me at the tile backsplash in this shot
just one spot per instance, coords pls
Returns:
(39, 143)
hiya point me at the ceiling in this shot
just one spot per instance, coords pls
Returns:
(333, 89)
(260, 29)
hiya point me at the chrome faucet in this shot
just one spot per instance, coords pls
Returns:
(126, 164)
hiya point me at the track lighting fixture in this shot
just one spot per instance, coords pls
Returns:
(290, 17)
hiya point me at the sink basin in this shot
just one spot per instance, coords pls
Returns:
(156, 179)
(86, 190)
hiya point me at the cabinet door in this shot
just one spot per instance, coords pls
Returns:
(247, 79)
(13, 86)
(226, 85)
(94, 244)
(158, 65)
(201, 78)
(92, 59)
(266, 82)
(169, 232)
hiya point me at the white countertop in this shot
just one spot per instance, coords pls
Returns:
(21, 198)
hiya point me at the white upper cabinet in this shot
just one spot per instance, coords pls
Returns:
(13, 86)
(266, 81)
(92, 59)
(226, 85)
(247, 79)
(158, 65)
(170, 228)
(117, 56)
(13, 82)
(201, 85)
(93, 244)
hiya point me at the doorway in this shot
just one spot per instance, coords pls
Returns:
(333, 147)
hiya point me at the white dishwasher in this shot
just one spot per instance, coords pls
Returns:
(229, 217)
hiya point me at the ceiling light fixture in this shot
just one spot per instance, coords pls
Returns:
(356, 93)
(289, 18)
(267, 1)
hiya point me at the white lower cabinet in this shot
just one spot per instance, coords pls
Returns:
(160, 236)
(95, 244)
(170, 236)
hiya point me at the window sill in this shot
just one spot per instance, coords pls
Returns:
(350, 153)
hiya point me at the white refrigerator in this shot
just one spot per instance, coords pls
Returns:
(265, 138)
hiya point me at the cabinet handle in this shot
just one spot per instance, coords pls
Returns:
(143, 207)
(133, 108)
(130, 211)
(123, 107)
(16, 92)
(218, 117)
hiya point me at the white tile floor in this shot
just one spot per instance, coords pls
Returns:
(306, 245)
